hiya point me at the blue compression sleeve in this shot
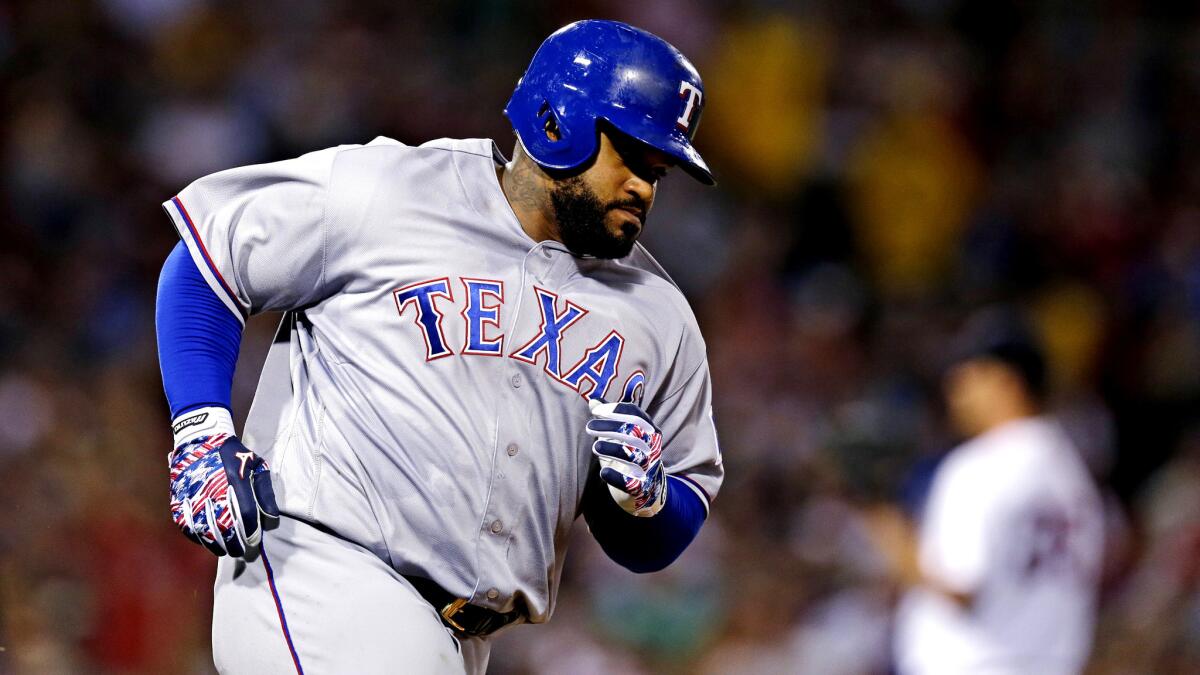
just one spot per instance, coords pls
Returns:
(198, 337)
(644, 544)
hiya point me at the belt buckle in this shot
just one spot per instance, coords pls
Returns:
(451, 610)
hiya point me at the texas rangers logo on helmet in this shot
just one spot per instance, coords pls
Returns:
(691, 93)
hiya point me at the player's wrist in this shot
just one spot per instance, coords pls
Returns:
(201, 422)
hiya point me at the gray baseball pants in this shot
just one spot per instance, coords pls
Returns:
(314, 603)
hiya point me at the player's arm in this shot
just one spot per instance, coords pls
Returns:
(896, 538)
(221, 493)
(641, 516)
(655, 475)
(252, 238)
(953, 550)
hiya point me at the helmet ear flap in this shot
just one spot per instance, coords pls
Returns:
(555, 133)
(550, 123)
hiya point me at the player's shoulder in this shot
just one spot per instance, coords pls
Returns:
(1019, 451)
(977, 456)
(480, 147)
(641, 269)
(384, 149)
(407, 169)
(382, 146)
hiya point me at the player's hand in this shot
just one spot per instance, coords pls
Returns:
(629, 447)
(221, 494)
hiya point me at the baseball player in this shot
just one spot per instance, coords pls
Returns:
(474, 352)
(1005, 570)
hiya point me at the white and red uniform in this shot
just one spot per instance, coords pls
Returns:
(1014, 520)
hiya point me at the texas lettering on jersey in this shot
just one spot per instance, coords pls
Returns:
(590, 376)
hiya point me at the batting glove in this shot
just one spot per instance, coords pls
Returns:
(221, 494)
(629, 448)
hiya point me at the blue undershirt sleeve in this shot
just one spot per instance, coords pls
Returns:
(643, 544)
(198, 337)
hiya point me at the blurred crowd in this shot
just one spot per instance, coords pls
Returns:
(885, 168)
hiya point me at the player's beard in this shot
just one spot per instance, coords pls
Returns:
(581, 221)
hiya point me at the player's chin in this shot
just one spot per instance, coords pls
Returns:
(617, 243)
(624, 225)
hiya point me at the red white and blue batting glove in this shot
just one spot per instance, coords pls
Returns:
(629, 448)
(221, 494)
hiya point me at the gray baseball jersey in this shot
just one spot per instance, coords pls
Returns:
(427, 398)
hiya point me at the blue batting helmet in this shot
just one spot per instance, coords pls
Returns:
(606, 70)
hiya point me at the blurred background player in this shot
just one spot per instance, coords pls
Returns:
(1003, 575)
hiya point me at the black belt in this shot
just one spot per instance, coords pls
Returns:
(464, 619)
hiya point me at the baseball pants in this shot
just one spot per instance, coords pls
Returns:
(314, 603)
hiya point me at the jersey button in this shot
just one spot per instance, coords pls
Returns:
(497, 526)
(512, 449)
(515, 380)
(492, 594)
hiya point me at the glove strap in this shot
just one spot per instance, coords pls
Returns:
(201, 422)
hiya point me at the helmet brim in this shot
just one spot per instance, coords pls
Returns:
(675, 145)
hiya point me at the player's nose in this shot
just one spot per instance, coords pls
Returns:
(640, 188)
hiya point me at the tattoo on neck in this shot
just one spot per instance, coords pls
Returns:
(525, 194)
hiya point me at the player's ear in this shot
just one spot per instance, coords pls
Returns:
(551, 126)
